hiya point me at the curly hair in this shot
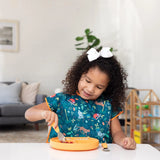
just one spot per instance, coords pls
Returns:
(115, 91)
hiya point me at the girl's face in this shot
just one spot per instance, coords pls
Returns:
(92, 84)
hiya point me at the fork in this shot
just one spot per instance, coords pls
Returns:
(105, 147)
(61, 137)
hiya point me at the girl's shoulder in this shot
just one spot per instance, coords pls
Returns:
(103, 102)
(102, 99)
(62, 95)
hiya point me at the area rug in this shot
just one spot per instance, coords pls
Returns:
(24, 133)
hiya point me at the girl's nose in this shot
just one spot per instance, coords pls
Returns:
(90, 88)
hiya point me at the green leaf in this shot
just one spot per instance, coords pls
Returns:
(78, 44)
(81, 48)
(79, 38)
(91, 38)
(96, 42)
(111, 49)
(99, 48)
(87, 31)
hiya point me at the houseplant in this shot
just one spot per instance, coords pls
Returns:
(87, 41)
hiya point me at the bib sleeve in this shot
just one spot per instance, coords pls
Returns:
(52, 102)
(115, 114)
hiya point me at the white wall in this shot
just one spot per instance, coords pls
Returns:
(48, 29)
(47, 36)
(139, 37)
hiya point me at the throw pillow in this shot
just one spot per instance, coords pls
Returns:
(10, 93)
(29, 92)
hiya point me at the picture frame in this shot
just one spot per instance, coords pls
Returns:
(9, 35)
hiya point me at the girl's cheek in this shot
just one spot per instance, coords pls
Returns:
(82, 82)
(80, 85)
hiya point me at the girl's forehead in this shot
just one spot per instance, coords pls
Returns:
(97, 70)
(97, 75)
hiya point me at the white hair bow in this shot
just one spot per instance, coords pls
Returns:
(93, 54)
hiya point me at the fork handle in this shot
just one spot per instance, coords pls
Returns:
(104, 145)
(56, 129)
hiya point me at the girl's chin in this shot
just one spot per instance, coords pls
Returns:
(86, 97)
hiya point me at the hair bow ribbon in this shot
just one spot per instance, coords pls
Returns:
(93, 54)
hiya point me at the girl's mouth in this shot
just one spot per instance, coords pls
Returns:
(86, 94)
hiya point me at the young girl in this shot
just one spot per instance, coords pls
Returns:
(91, 101)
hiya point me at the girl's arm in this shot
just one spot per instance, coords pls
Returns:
(119, 137)
(40, 112)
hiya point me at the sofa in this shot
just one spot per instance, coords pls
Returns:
(12, 108)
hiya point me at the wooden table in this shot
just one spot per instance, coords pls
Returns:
(42, 151)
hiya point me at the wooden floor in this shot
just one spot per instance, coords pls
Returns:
(24, 133)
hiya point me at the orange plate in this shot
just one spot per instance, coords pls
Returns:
(75, 144)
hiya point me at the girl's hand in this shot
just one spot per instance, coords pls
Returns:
(128, 143)
(50, 117)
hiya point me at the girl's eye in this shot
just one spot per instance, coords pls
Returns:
(99, 87)
(87, 81)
